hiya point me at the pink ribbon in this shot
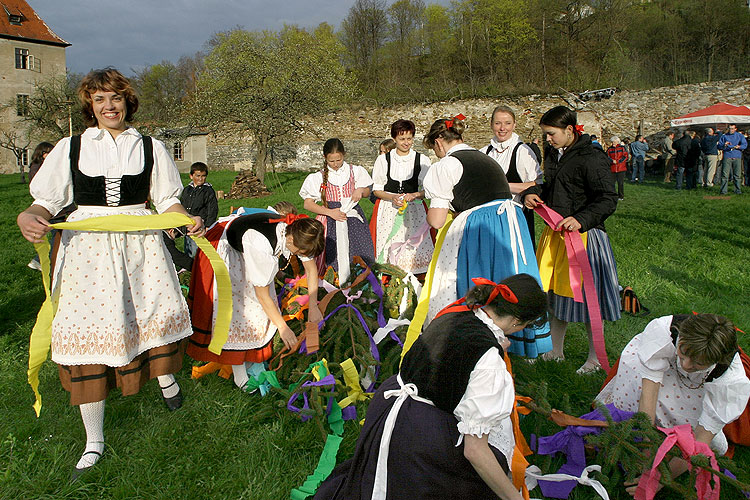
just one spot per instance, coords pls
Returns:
(394, 252)
(579, 265)
(682, 436)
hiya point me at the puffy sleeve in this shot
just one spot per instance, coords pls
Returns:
(440, 180)
(311, 187)
(52, 187)
(379, 173)
(527, 165)
(489, 396)
(166, 185)
(260, 263)
(726, 397)
(361, 177)
(426, 164)
(655, 349)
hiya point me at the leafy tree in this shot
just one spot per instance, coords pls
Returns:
(364, 31)
(264, 83)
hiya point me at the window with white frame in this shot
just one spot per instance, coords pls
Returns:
(22, 105)
(23, 159)
(22, 58)
(178, 150)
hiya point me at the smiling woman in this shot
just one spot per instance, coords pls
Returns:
(120, 315)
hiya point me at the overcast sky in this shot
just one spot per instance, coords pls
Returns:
(131, 34)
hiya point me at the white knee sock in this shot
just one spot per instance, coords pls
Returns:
(240, 375)
(92, 415)
(168, 385)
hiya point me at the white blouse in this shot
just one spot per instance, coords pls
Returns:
(486, 405)
(311, 186)
(526, 163)
(402, 168)
(262, 261)
(725, 397)
(103, 155)
(442, 178)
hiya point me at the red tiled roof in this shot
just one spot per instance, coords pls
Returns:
(32, 27)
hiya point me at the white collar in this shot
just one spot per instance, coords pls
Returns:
(96, 133)
(397, 157)
(502, 146)
(458, 147)
(496, 330)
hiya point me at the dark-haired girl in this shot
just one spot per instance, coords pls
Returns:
(579, 185)
(120, 312)
(334, 193)
(251, 245)
(683, 369)
(441, 427)
(397, 183)
(488, 236)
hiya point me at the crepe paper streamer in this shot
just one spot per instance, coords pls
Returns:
(326, 463)
(579, 266)
(423, 305)
(682, 436)
(534, 473)
(398, 223)
(521, 449)
(728, 473)
(403, 206)
(394, 254)
(570, 442)
(225, 371)
(261, 379)
(351, 380)
(564, 420)
(41, 334)
(388, 329)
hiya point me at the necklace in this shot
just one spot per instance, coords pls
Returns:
(684, 380)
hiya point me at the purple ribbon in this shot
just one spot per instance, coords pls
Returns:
(328, 380)
(349, 413)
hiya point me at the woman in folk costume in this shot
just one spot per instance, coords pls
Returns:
(251, 245)
(399, 219)
(334, 193)
(488, 236)
(579, 185)
(683, 369)
(120, 312)
(518, 161)
(441, 427)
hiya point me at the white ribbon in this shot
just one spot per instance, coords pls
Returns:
(342, 238)
(516, 240)
(381, 472)
(388, 328)
(534, 473)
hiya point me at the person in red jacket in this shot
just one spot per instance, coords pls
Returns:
(619, 156)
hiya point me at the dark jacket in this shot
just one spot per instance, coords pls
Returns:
(201, 201)
(709, 144)
(688, 152)
(579, 184)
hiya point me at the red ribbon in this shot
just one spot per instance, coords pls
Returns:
(289, 218)
(682, 436)
(579, 265)
(579, 129)
(449, 123)
(503, 290)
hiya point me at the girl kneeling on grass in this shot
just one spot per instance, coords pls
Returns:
(251, 245)
(683, 370)
(579, 185)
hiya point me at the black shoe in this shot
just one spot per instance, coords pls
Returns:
(175, 402)
(78, 472)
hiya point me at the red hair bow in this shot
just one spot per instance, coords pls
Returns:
(289, 218)
(449, 123)
(579, 129)
(503, 290)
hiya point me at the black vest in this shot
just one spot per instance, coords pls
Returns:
(134, 189)
(407, 186)
(512, 173)
(481, 182)
(443, 357)
(257, 222)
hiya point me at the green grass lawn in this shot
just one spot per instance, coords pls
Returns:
(679, 251)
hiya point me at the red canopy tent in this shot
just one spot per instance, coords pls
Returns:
(716, 114)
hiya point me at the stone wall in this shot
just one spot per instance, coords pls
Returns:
(362, 129)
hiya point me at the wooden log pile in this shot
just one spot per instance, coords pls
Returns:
(247, 185)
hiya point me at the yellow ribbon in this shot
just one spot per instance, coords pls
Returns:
(353, 387)
(41, 334)
(316, 370)
(420, 313)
